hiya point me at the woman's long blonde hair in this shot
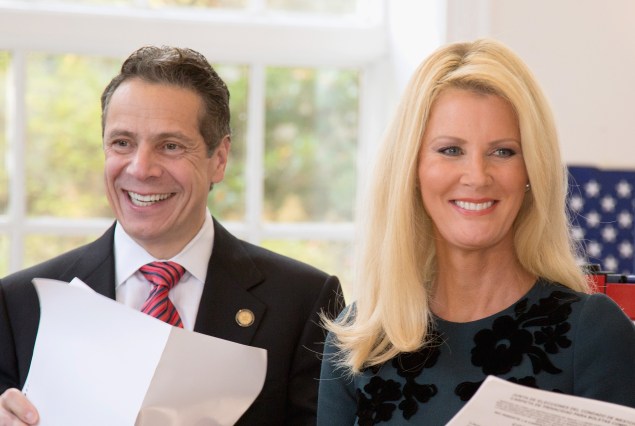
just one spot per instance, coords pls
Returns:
(397, 259)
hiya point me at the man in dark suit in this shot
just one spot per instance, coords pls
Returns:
(165, 122)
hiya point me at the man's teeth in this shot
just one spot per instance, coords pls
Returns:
(474, 206)
(146, 200)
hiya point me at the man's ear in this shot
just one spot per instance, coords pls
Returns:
(219, 159)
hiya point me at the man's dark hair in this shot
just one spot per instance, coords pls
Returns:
(183, 68)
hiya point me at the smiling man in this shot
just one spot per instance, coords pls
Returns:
(158, 168)
(166, 139)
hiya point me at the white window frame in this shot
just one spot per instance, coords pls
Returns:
(223, 37)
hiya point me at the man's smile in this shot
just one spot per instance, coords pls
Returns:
(147, 200)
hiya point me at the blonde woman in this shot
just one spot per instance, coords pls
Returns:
(467, 268)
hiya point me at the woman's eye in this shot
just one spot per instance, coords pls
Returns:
(451, 150)
(504, 152)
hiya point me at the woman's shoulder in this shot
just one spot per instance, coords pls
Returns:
(347, 314)
(585, 306)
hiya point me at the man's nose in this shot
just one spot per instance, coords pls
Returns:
(143, 163)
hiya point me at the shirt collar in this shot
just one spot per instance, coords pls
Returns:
(130, 256)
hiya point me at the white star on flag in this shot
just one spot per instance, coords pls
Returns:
(623, 189)
(626, 249)
(609, 234)
(625, 219)
(593, 219)
(610, 263)
(576, 203)
(594, 249)
(602, 207)
(592, 189)
(608, 203)
(577, 232)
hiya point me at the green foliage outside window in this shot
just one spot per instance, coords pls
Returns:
(64, 156)
(311, 144)
(227, 200)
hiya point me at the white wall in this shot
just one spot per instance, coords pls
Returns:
(415, 28)
(583, 54)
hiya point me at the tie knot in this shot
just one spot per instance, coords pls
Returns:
(163, 274)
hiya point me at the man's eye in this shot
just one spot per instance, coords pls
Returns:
(120, 143)
(171, 146)
(451, 150)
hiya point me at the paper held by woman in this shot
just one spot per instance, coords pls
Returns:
(505, 403)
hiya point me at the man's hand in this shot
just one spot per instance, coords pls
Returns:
(16, 410)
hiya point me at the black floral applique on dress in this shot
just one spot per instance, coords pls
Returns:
(409, 366)
(534, 332)
(380, 403)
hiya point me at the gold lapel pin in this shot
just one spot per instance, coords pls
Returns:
(245, 317)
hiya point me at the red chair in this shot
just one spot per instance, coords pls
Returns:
(618, 287)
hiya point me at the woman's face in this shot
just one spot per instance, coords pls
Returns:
(471, 170)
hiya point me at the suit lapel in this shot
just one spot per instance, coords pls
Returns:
(230, 275)
(96, 265)
(92, 263)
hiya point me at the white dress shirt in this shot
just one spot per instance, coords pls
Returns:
(132, 289)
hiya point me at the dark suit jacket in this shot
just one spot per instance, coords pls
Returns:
(285, 296)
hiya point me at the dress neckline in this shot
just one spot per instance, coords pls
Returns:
(534, 288)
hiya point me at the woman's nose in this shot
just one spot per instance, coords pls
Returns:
(476, 172)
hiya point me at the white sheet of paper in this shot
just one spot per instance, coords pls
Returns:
(502, 403)
(202, 381)
(99, 362)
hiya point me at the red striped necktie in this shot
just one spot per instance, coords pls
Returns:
(163, 276)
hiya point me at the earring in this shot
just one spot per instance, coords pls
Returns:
(527, 187)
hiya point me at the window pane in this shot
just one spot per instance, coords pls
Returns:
(227, 199)
(322, 6)
(333, 257)
(215, 4)
(114, 3)
(4, 173)
(63, 150)
(311, 143)
(4, 255)
(210, 4)
(39, 248)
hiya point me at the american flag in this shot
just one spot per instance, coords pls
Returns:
(602, 206)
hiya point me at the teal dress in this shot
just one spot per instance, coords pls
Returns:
(553, 338)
